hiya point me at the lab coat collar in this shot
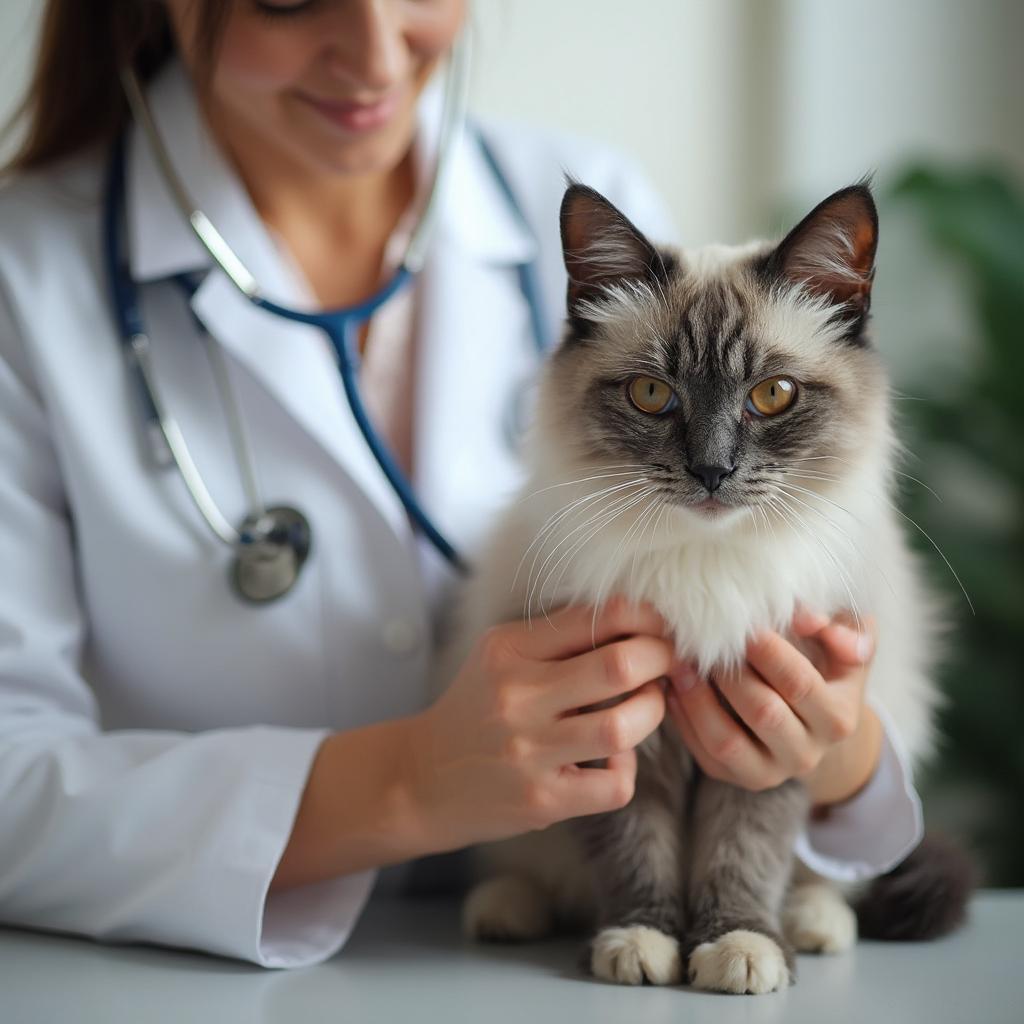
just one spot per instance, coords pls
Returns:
(475, 213)
(293, 362)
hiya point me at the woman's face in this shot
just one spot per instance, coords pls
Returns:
(330, 83)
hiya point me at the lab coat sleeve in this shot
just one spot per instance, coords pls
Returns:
(154, 836)
(873, 831)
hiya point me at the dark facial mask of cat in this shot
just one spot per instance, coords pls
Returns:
(736, 376)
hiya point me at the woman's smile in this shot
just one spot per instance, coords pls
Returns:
(356, 116)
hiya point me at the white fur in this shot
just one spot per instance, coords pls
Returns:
(826, 254)
(626, 299)
(816, 919)
(631, 955)
(739, 962)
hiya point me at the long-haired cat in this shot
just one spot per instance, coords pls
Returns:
(713, 436)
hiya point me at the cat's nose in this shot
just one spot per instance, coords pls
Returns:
(711, 476)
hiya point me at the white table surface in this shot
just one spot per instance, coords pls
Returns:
(407, 962)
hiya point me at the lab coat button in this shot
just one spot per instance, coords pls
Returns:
(400, 636)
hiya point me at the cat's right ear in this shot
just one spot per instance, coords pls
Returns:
(831, 252)
(601, 248)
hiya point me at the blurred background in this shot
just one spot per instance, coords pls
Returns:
(746, 113)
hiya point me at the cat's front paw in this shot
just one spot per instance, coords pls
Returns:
(741, 962)
(634, 954)
(508, 908)
(817, 919)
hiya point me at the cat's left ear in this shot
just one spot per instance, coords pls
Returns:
(831, 252)
(602, 247)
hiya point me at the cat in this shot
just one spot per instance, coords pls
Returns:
(713, 435)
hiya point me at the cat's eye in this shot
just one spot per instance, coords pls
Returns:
(771, 396)
(651, 395)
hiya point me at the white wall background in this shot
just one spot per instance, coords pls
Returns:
(734, 105)
(740, 109)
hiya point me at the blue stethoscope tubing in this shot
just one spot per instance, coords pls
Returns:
(340, 325)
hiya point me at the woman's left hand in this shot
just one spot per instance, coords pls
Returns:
(800, 720)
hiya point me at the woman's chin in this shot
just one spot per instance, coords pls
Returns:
(367, 153)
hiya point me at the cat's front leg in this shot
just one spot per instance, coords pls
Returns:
(742, 861)
(816, 917)
(636, 853)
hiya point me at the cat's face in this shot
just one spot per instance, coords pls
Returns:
(732, 380)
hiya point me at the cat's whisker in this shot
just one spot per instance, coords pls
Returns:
(625, 467)
(913, 523)
(834, 504)
(613, 565)
(810, 474)
(767, 522)
(617, 503)
(779, 502)
(554, 520)
(828, 519)
(570, 506)
(657, 525)
(556, 517)
(854, 546)
(800, 527)
(927, 536)
(594, 513)
(657, 505)
(566, 558)
(595, 500)
(753, 519)
(813, 474)
(819, 477)
(898, 472)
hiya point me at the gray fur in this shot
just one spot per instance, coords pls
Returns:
(807, 518)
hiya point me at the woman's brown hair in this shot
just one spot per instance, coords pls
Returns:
(74, 99)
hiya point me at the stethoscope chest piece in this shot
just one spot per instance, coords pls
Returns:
(272, 547)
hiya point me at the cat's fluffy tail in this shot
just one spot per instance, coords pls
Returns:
(923, 897)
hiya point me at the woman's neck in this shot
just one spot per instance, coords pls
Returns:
(336, 226)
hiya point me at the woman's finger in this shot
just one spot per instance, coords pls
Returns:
(593, 790)
(827, 709)
(770, 719)
(691, 740)
(807, 622)
(846, 644)
(610, 671)
(839, 636)
(724, 740)
(575, 629)
(787, 671)
(613, 730)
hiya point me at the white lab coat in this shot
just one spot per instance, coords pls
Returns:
(155, 732)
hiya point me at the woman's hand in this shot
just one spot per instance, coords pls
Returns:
(801, 718)
(500, 752)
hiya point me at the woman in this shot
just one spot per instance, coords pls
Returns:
(176, 765)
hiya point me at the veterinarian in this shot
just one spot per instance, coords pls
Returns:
(219, 587)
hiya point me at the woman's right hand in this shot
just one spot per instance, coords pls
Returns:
(499, 753)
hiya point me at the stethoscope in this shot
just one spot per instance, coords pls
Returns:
(272, 543)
